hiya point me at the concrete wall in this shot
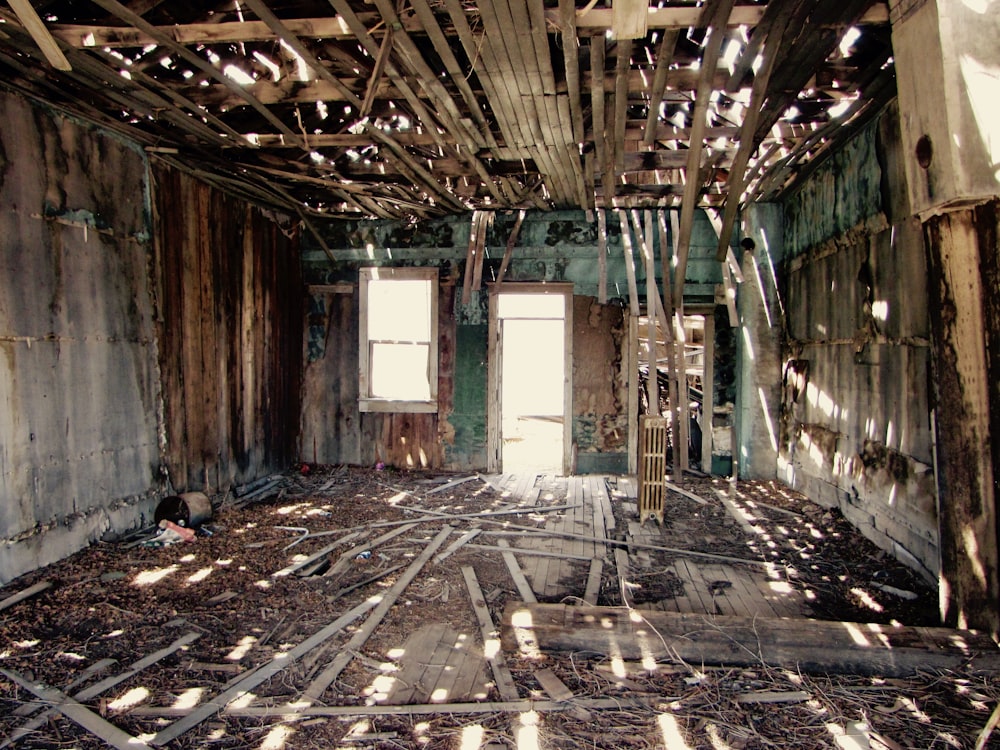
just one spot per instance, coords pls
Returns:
(855, 428)
(554, 247)
(79, 453)
(91, 358)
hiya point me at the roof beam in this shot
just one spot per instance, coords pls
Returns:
(693, 185)
(288, 37)
(120, 11)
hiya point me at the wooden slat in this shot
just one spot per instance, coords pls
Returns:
(523, 588)
(418, 107)
(509, 251)
(491, 638)
(633, 293)
(571, 52)
(34, 25)
(325, 678)
(288, 37)
(664, 56)
(748, 142)
(71, 709)
(623, 57)
(104, 685)
(255, 677)
(23, 594)
(480, 707)
(119, 10)
(427, 19)
(698, 122)
(811, 646)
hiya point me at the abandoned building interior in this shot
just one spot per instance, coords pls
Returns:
(500, 374)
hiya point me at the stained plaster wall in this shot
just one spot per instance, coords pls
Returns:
(79, 453)
(855, 428)
(86, 450)
(553, 247)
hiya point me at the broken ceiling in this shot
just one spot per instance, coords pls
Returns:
(420, 108)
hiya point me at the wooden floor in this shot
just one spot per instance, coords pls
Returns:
(569, 564)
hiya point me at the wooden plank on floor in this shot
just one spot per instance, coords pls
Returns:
(718, 589)
(413, 663)
(27, 593)
(624, 584)
(319, 685)
(784, 599)
(466, 673)
(742, 594)
(812, 646)
(683, 602)
(77, 712)
(523, 588)
(491, 638)
(694, 586)
(593, 589)
(467, 537)
(552, 685)
(104, 685)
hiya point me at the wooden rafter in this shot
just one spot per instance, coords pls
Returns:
(701, 102)
(120, 11)
(288, 37)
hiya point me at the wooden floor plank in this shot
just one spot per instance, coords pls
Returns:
(413, 664)
(491, 637)
(812, 646)
(470, 681)
(718, 589)
(785, 600)
(699, 596)
(593, 588)
(517, 574)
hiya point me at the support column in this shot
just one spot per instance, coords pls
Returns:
(965, 326)
(761, 320)
(948, 78)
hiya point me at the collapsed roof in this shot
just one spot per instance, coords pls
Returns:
(422, 108)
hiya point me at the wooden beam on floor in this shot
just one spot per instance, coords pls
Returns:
(491, 637)
(523, 587)
(104, 685)
(77, 712)
(812, 646)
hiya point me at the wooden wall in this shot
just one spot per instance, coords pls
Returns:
(230, 301)
(855, 428)
(334, 430)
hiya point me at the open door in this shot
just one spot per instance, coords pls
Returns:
(530, 378)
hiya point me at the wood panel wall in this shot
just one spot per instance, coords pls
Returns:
(230, 302)
(335, 431)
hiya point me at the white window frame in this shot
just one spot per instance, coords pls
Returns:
(368, 402)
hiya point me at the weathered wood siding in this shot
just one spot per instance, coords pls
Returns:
(553, 247)
(964, 258)
(230, 328)
(855, 421)
(79, 452)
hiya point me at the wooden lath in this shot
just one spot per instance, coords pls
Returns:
(479, 113)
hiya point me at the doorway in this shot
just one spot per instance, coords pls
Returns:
(530, 366)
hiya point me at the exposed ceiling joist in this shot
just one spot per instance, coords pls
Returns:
(352, 108)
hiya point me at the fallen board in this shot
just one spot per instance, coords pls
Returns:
(813, 646)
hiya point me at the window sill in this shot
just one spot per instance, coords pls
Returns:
(408, 407)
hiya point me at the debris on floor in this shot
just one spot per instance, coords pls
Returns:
(346, 607)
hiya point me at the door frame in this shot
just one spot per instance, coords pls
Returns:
(494, 409)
